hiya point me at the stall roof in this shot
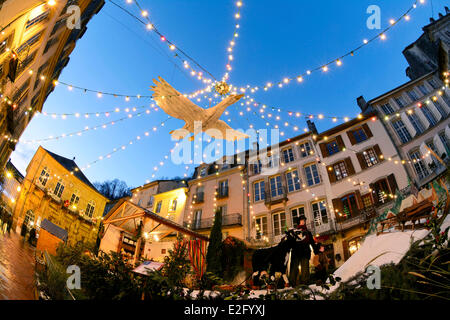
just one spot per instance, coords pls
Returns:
(126, 212)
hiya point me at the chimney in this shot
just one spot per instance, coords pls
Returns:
(446, 10)
(362, 103)
(432, 20)
(311, 126)
(73, 159)
(440, 15)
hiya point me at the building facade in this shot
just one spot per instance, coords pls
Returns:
(12, 185)
(36, 40)
(55, 189)
(364, 174)
(218, 186)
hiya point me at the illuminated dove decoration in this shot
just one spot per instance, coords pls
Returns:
(178, 106)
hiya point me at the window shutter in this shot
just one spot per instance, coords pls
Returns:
(375, 192)
(323, 149)
(340, 142)
(331, 174)
(377, 150)
(337, 205)
(351, 137)
(361, 160)
(349, 165)
(359, 199)
(392, 183)
(367, 130)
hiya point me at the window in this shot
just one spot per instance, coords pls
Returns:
(387, 109)
(150, 201)
(349, 206)
(293, 181)
(445, 141)
(296, 213)
(173, 205)
(305, 149)
(90, 208)
(261, 227)
(312, 174)
(279, 223)
(158, 207)
(433, 83)
(29, 43)
(412, 95)
(37, 19)
(272, 161)
(288, 155)
(44, 176)
(423, 89)
(416, 123)
(259, 191)
(197, 218)
(222, 210)
(26, 62)
(58, 25)
(50, 43)
(359, 135)
(446, 99)
(58, 189)
(257, 167)
(203, 171)
(320, 213)
(400, 102)
(223, 188)
(430, 117)
(353, 246)
(275, 186)
(381, 190)
(332, 147)
(370, 157)
(401, 130)
(29, 217)
(74, 199)
(340, 170)
(440, 108)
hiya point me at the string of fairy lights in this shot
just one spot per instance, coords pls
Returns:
(208, 89)
(232, 43)
(338, 61)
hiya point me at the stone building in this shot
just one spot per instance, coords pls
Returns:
(55, 189)
(36, 40)
(12, 185)
(218, 186)
(364, 173)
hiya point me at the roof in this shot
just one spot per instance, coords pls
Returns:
(16, 173)
(345, 125)
(71, 166)
(128, 211)
(53, 229)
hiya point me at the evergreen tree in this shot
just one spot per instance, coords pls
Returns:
(214, 254)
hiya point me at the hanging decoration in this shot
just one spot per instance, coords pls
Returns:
(222, 88)
(182, 108)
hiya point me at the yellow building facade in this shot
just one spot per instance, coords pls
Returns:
(54, 188)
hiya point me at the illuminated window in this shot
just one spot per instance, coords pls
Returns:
(261, 227)
(340, 170)
(320, 213)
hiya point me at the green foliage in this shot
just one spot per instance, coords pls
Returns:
(177, 264)
(232, 258)
(214, 254)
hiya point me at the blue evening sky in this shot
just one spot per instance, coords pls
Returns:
(276, 39)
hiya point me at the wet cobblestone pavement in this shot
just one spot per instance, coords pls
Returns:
(16, 268)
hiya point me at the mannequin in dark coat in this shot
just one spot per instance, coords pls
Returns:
(301, 253)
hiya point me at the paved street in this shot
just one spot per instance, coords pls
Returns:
(16, 268)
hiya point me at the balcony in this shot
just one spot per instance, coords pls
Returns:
(234, 219)
(277, 198)
(362, 216)
(222, 193)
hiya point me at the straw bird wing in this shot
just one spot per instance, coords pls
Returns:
(228, 133)
(174, 103)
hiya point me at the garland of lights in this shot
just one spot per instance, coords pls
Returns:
(86, 115)
(237, 16)
(86, 129)
(338, 61)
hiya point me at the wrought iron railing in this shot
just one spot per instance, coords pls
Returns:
(277, 196)
(227, 220)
